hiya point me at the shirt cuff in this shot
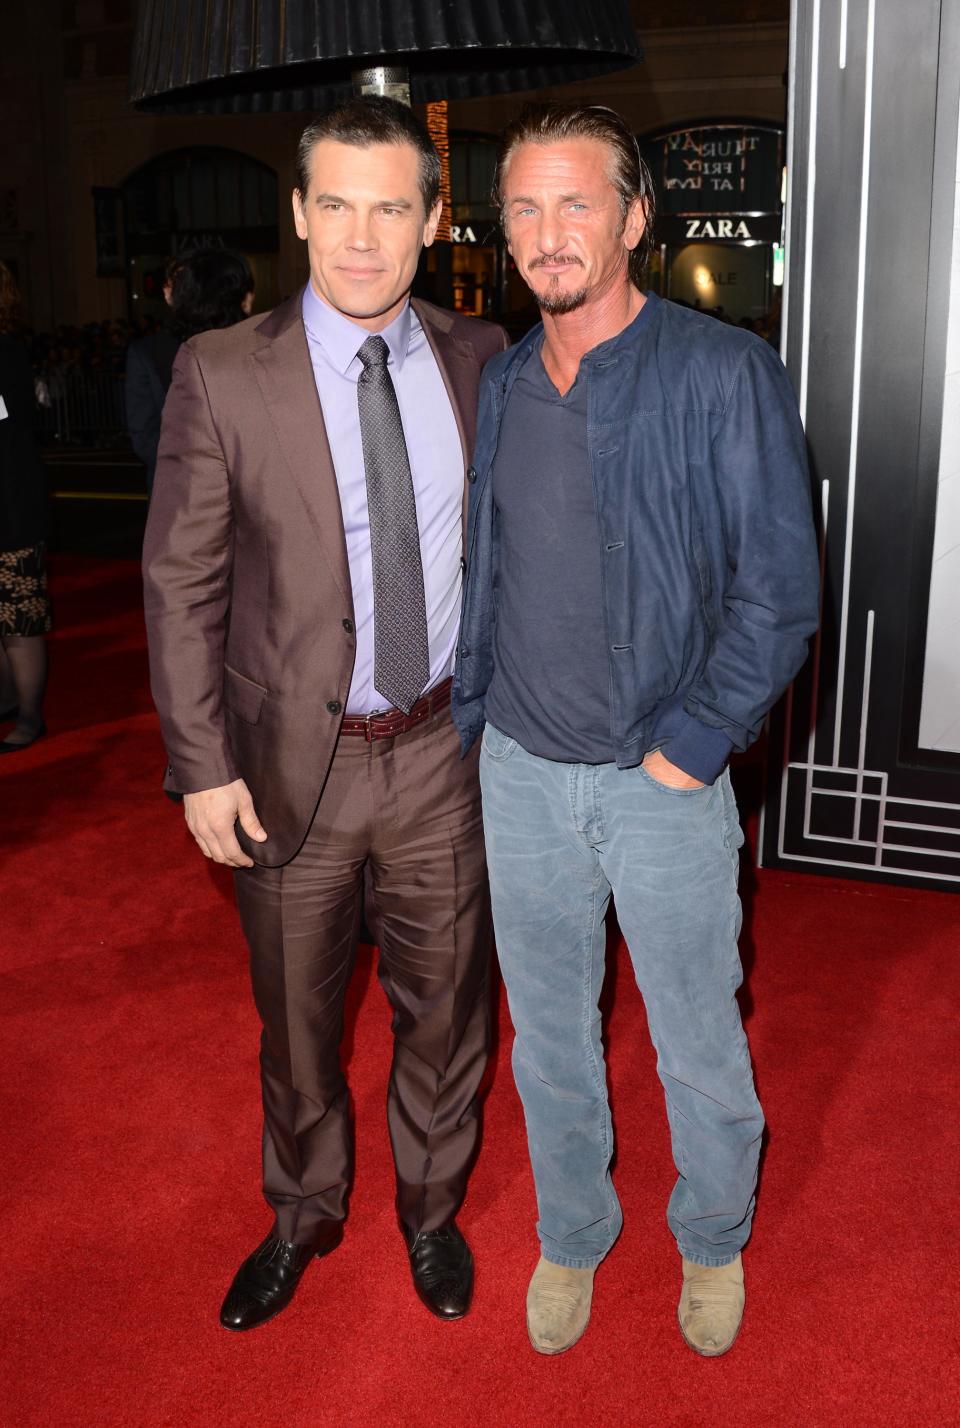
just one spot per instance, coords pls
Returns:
(698, 749)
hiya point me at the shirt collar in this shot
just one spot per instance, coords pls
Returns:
(341, 338)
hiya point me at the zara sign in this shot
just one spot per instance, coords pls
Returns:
(717, 228)
(719, 183)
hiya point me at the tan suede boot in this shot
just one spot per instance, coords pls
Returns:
(558, 1306)
(711, 1305)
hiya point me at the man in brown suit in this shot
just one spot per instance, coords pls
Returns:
(303, 563)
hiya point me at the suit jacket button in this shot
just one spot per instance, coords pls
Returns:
(348, 626)
(471, 474)
(334, 706)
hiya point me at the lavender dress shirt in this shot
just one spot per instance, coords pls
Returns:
(436, 465)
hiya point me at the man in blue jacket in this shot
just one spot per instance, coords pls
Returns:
(641, 585)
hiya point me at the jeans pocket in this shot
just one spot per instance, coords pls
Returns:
(668, 790)
(495, 744)
(732, 831)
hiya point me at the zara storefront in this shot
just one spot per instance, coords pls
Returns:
(719, 226)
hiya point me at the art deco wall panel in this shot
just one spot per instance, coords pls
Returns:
(872, 171)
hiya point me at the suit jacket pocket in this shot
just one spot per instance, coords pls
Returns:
(242, 695)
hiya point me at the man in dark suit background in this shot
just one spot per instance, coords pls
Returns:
(147, 377)
(303, 567)
(211, 287)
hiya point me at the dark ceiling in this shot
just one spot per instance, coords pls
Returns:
(680, 14)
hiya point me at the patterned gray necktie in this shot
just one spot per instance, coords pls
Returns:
(401, 652)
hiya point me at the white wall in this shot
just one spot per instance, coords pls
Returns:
(940, 711)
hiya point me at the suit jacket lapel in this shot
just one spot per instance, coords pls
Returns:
(285, 375)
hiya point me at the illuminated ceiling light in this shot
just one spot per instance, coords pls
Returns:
(439, 130)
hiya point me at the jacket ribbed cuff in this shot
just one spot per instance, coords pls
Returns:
(699, 750)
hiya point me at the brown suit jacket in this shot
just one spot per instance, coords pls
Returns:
(246, 585)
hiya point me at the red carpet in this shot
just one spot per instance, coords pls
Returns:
(131, 1161)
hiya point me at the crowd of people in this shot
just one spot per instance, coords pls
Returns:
(207, 289)
(212, 288)
(94, 347)
(80, 372)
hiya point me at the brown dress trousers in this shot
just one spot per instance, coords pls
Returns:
(249, 611)
(410, 808)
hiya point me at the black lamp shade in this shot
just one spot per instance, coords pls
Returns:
(258, 56)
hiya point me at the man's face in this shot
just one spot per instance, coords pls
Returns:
(363, 220)
(564, 222)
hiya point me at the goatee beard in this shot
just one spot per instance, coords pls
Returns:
(556, 302)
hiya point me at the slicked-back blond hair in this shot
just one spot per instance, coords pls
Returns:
(552, 124)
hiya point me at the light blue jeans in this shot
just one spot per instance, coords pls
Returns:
(561, 837)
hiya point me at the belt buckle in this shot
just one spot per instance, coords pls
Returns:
(392, 726)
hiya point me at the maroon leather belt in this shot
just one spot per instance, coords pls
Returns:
(393, 721)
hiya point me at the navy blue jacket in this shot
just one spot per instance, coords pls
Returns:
(709, 558)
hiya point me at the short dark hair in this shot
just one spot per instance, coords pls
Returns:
(372, 119)
(551, 124)
(209, 286)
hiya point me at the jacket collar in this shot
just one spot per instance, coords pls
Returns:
(341, 339)
(455, 358)
(516, 356)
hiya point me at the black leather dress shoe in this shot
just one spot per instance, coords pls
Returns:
(267, 1281)
(442, 1268)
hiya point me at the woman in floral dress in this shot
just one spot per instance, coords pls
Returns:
(24, 605)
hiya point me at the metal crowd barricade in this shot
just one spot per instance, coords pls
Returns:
(81, 407)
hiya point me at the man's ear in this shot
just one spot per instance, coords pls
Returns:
(430, 227)
(506, 233)
(299, 217)
(636, 222)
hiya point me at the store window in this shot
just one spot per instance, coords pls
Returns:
(730, 281)
(719, 225)
(475, 233)
(199, 197)
(473, 160)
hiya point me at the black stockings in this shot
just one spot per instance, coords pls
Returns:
(23, 682)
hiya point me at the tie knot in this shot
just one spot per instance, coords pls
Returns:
(374, 352)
